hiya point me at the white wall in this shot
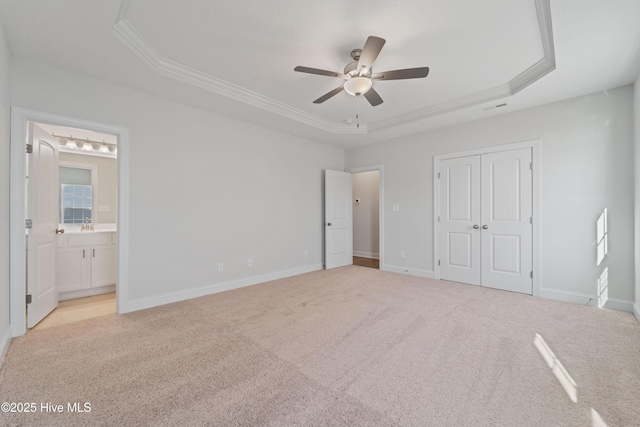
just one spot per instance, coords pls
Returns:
(636, 133)
(586, 166)
(366, 229)
(203, 188)
(5, 120)
(107, 183)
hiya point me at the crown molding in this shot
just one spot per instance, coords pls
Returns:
(134, 41)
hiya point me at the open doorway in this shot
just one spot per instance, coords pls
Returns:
(366, 218)
(72, 181)
(44, 230)
(87, 224)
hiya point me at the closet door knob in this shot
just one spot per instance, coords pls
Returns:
(328, 224)
(475, 226)
(484, 227)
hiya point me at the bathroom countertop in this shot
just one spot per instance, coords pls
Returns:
(89, 231)
(75, 229)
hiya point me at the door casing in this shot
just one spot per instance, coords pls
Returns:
(17, 244)
(534, 145)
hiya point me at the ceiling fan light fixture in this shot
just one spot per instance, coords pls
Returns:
(357, 86)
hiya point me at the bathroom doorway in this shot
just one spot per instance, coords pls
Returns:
(69, 192)
(86, 186)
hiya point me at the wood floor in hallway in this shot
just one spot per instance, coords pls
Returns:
(366, 262)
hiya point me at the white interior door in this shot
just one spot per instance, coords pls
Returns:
(486, 209)
(460, 220)
(338, 219)
(506, 220)
(42, 209)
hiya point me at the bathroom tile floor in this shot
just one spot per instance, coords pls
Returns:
(74, 310)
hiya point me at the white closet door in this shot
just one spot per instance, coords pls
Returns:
(506, 183)
(460, 219)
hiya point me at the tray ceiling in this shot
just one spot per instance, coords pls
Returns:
(226, 56)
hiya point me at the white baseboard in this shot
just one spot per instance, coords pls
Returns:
(366, 255)
(63, 296)
(567, 296)
(619, 304)
(636, 311)
(585, 299)
(141, 304)
(427, 274)
(4, 344)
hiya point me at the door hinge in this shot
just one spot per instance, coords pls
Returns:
(29, 148)
(28, 298)
(531, 220)
(438, 218)
(438, 175)
(28, 223)
(438, 262)
(531, 274)
(531, 165)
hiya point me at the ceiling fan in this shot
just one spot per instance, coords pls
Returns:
(359, 75)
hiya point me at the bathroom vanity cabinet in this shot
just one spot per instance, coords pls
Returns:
(86, 263)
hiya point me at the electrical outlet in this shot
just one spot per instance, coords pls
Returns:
(306, 254)
(220, 266)
(250, 262)
(401, 254)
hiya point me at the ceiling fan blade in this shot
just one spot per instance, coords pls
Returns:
(318, 71)
(373, 97)
(407, 73)
(328, 95)
(369, 53)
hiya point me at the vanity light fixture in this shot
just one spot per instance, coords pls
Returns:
(86, 144)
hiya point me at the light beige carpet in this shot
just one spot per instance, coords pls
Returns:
(346, 347)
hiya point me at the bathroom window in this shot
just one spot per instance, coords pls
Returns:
(77, 201)
(77, 192)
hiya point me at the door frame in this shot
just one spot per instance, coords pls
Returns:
(380, 169)
(17, 213)
(534, 145)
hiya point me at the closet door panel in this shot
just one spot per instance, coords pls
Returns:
(460, 211)
(506, 211)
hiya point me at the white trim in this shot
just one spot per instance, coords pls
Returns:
(534, 145)
(94, 186)
(17, 264)
(63, 296)
(370, 255)
(4, 345)
(427, 274)
(568, 296)
(619, 305)
(134, 41)
(636, 311)
(143, 303)
(380, 169)
(586, 299)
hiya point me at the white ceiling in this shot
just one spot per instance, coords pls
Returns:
(237, 58)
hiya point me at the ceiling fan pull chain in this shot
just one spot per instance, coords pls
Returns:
(357, 112)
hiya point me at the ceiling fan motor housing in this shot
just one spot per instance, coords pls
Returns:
(351, 69)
